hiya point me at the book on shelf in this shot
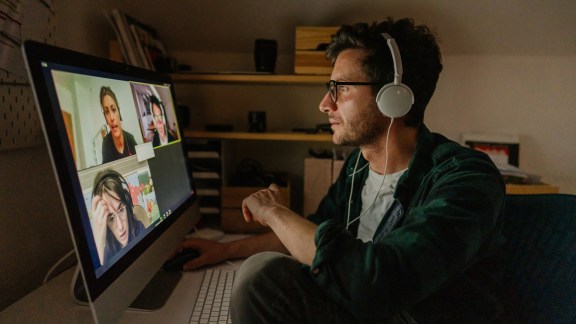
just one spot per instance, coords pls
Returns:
(145, 59)
(139, 42)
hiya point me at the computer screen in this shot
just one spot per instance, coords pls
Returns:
(120, 164)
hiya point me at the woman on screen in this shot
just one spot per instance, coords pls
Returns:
(118, 143)
(162, 135)
(112, 218)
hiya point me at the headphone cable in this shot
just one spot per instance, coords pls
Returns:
(348, 222)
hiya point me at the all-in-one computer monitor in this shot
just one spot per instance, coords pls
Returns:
(121, 168)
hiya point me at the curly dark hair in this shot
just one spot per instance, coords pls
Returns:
(155, 101)
(421, 58)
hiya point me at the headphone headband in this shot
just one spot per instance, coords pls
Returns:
(396, 58)
(118, 179)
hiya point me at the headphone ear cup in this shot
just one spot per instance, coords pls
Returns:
(127, 195)
(394, 100)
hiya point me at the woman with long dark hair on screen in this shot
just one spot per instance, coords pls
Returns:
(112, 218)
(118, 143)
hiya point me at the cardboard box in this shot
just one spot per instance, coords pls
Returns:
(317, 180)
(232, 220)
(336, 167)
(319, 175)
(310, 55)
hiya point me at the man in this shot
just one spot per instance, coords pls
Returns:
(403, 234)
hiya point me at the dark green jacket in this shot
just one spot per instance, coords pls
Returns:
(432, 261)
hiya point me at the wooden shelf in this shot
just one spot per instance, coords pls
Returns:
(528, 189)
(284, 136)
(250, 78)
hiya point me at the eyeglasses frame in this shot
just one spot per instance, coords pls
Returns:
(118, 216)
(333, 84)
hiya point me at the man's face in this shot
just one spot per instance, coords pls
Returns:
(354, 118)
(112, 114)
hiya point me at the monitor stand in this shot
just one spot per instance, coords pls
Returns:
(151, 298)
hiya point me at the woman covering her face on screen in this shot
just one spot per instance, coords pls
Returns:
(112, 218)
(118, 143)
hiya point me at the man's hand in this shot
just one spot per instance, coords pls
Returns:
(296, 233)
(211, 252)
(257, 207)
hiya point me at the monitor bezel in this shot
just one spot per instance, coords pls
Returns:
(35, 54)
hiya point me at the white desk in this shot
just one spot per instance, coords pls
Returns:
(52, 303)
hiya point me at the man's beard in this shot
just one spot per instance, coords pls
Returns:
(362, 131)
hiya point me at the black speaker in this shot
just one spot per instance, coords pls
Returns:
(257, 121)
(265, 52)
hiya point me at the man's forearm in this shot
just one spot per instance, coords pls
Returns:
(246, 247)
(296, 234)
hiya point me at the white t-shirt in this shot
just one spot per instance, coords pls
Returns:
(377, 197)
(165, 141)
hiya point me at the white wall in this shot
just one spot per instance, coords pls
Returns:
(530, 96)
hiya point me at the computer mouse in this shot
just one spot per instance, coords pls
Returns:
(177, 262)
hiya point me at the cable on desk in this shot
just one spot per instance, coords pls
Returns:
(50, 274)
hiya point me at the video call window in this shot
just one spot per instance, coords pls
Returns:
(121, 208)
(114, 127)
(156, 113)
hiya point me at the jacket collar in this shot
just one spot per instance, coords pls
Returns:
(419, 166)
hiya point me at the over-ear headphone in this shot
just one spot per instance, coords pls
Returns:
(394, 99)
(118, 180)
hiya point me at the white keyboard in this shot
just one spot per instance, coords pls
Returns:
(213, 302)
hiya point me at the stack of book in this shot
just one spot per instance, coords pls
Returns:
(139, 43)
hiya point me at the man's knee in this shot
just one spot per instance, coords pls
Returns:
(258, 268)
(262, 262)
(257, 283)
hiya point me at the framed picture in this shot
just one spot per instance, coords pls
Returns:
(504, 150)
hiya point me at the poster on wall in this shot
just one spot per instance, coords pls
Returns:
(504, 151)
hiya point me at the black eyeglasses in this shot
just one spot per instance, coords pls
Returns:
(332, 87)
